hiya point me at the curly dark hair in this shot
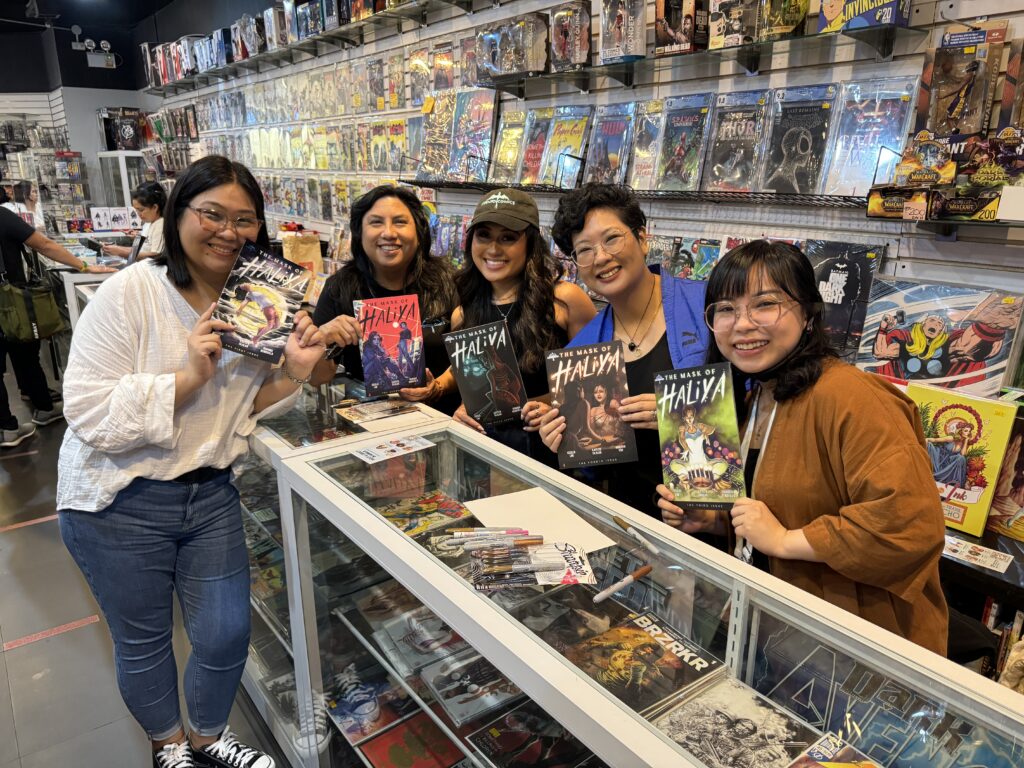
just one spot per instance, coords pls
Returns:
(787, 267)
(533, 330)
(574, 206)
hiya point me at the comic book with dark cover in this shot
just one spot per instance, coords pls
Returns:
(610, 140)
(437, 137)
(468, 686)
(528, 736)
(947, 335)
(396, 144)
(587, 383)
(508, 147)
(700, 436)
(419, 75)
(471, 135)
(563, 156)
(662, 250)
(680, 26)
(732, 22)
(684, 141)
(260, 298)
(736, 144)
(538, 125)
(623, 30)
(379, 145)
(442, 70)
(644, 662)
(729, 724)
(414, 144)
(844, 272)
(365, 700)
(391, 346)
(396, 81)
(487, 372)
(800, 129)
(781, 19)
(376, 85)
(565, 617)
(647, 133)
(414, 743)
(830, 751)
(469, 65)
(874, 115)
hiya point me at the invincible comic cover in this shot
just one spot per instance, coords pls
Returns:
(800, 125)
(844, 272)
(587, 383)
(473, 126)
(528, 736)
(648, 128)
(564, 152)
(683, 141)
(610, 140)
(487, 372)
(508, 147)
(391, 346)
(538, 125)
(260, 298)
(700, 436)
(734, 152)
(856, 14)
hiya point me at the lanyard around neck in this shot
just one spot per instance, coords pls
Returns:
(742, 550)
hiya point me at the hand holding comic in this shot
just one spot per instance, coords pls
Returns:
(753, 521)
(204, 349)
(304, 348)
(640, 411)
(686, 520)
(532, 414)
(344, 330)
(462, 416)
(551, 427)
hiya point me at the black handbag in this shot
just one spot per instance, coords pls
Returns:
(28, 312)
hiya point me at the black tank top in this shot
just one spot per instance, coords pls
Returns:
(536, 382)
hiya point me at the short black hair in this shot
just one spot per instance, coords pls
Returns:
(205, 173)
(150, 193)
(22, 190)
(574, 206)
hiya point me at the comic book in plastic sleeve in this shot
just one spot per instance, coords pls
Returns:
(376, 84)
(648, 127)
(391, 345)
(396, 81)
(570, 36)
(414, 144)
(468, 686)
(508, 147)
(563, 156)
(623, 31)
(538, 126)
(781, 19)
(830, 751)
(442, 67)
(419, 75)
(437, 137)
(611, 137)
(844, 273)
(874, 115)
(837, 15)
(419, 637)
(801, 126)
(736, 145)
(684, 141)
(527, 736)
(696, 257)
(732, 22)
(472, 132)
(486, 369)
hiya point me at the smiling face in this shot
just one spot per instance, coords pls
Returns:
(389, 237)
(213, 253)
(498, 253)
(614, 276)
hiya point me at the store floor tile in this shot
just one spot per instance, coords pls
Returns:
(8, 737)
(121, 743)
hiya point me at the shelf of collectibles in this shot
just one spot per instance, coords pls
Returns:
(310, 425)
(486, 610)
(63, 191)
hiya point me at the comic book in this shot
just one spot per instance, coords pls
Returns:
(468, 686)
(538, 126)
(508, 147)
(473, 127)
(396, 81)
(414, 143)
(623, 30)
(487, 372)
(1006, 517)
(648, 129)
(527, 736)
(260, 298)
(967, 438)
(570, 36)
(853, 14)
(732, 23)
(830, 751)
(419, 75)
(611, 138)
(391, 346)
(874, 115)
(736, 144)
(696, 257)
(680, 26)
(728, 718)
(700, 436)
(427, 512)
(644, 662)
(360, 91)
(662, 250)
(380, 145)
(781, 19)
(376, 85)
(442, 70)
(587, 383)
(563, 155)
(396, 144)
(366, 700)
(844, 272)
(684, 141)
(419, 638)
(437, 138)
(414, 743)
(565, 617)
(951, 336)
(800, 129)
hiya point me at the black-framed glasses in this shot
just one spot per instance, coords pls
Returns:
(215, 221)
(612, 244)
(762, 311)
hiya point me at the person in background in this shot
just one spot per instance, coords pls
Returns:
(157, 413)
(510, 275)
(15, 234)
(656, 317)
(26, 202)
(846, 506)
(148, 200)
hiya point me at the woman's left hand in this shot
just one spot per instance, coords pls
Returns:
(640, 411)
(755, 522)
(532, 413)
(305, 347)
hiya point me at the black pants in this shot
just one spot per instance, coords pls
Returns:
(30, 377)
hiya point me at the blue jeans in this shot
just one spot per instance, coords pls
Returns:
(158, 537)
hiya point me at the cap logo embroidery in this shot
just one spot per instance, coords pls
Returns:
(498, 198)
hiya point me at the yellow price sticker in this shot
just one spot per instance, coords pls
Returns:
(428, 105)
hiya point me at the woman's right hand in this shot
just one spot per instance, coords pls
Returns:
(462, 416)
(344, 330)
(686, 520)
(204, 348)
(429, 392)
(552, 425)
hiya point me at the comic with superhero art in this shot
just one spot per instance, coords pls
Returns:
(781, 19)
(1006, 517)
(684, 140)
(391, 346)
(610, 139)
(379, 145)
(487, 372)
(830, 751)
(800, 129)
(694, 258)
(414, 144)
(623, 30)
(472, 133)
(735, 148)
(376, 85)
(396, 80)
(647, 132)
(563, 156)
(508, 147)
(732, 22)
(538, 125)
(955, 337)
(855, 14)
(570, 36)
(529, 736)
(396, 144)
(662, 250)
(966, 439)
(419, 75)
(442, 70)
(437, 138)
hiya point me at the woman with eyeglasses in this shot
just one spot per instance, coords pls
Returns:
(655, 316)
(511, 275)
(846, 506)
(148, 200)
(157, 413)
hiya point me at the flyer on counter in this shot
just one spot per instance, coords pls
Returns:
(399, 446)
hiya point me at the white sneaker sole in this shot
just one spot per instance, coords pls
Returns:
(18, 441)
(44, 422)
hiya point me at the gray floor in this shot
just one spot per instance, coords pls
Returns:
(59, 703)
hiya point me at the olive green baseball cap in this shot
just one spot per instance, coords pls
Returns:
(511, 208)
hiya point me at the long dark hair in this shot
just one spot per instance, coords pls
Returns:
(205, 173)
(22, 190)
(150, 193)
(428, 277)
(788, 268)
(533, 327)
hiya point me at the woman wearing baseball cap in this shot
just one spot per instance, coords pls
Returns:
(511, 275)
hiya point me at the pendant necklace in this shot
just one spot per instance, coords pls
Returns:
(507, 312)
(633, 346)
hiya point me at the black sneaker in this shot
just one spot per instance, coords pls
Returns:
(229, 752)
(54, 395)
(175, 756)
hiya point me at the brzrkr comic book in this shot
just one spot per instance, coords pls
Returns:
(683, 141)
(391, 346)
(734, 152)
(800, 130)
(487, 372)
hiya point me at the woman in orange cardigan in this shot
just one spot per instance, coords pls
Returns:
(843, 503)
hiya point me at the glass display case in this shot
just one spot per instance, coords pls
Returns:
(122, 171)
(704, 661)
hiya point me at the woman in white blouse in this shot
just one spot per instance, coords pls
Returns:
(157, 413)
(148, 200)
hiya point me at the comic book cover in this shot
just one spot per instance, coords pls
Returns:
(967, 438)
(844, 272)
(527, 736)
(680, 26)
(874, 115)
(1006, 517)
(427, 512)
(360, 87)
(854, 14)
(781, 19)
(414, 143)
(538, 126)
(376, 85)
(320, 147)
(260, 298)
(380, 145)
(696, 257)
(333, 140)
(951, 336)
(469, 64)
(563, 155)
(437, 137)
(419, 75)
(363, 160)
(562, 618)
(684, 140)
(644, 662)
(396, 144)
(325, 200)
(392, 343)
(623, 30)
(735, 148)
(473, 127)
(587, 383)
(700, 436)
(414, 743)
(508, 147)
(487, 372)
(570, 36)
(800, 129)
(420, 638)
(830, 751)
(442, 70)
(380, 603)
(396, 81)
(365, 700)
(731, 721)
(647, 133)
(732, 22)
(610, 140)
(661, 250)
(313, 197)
(468, 686)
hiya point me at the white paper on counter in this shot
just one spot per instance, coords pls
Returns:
(395, 422)
(539, 512)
